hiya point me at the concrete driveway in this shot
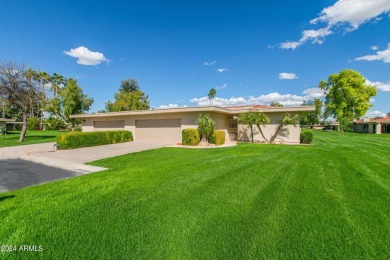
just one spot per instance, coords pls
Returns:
(27, 165)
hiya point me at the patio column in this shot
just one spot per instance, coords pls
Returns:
(378, 129)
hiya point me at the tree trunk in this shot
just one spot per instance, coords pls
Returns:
(252, 132)
(204, 141)
(262, 134)
(276, 133)
(24, 127)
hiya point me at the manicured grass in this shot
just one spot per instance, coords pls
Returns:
(32, 137)
(329, 200)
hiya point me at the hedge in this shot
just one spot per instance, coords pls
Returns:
(190, 136)
(219, 137)
(307, 136)
(86, 139)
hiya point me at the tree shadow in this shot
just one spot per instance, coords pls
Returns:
(6, 197)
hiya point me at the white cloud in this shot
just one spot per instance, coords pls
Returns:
(286, 99)
(85, 56)
(313, 93)
(171, 106)
(352, 13)
(380, 55)
(209, 63)
(222, 87)
(286, 75)
(222, 70)
(379, 85)
(375, 113)
(374, 48)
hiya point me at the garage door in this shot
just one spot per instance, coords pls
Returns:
(158, 130)
(109, 125)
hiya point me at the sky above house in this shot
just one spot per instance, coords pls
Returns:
(251, 52)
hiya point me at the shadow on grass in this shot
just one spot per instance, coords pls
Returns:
(6, 197)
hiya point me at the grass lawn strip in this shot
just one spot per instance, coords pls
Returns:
(329, 200)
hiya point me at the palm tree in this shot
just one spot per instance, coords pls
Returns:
(206, 126)
(261, 119)
(248, 119)
(256, 118)
(287, 119)
(211, 95)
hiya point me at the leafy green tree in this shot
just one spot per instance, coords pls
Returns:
(314, 117)
(206, 126)
(388, 114)
(348, 96)
(129, 85)
(248, 119)
(74, 101)
(129, 97)
(211, 95)
(276, 104)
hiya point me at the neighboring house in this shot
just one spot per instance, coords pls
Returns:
(372, 126)
(8, 123)
(167, 124)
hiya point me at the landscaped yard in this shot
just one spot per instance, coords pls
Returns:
(32, 137)
(329, 200)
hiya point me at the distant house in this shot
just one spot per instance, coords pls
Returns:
(8, 123)
(372, 126)
(167, 124)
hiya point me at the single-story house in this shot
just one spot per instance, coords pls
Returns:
(167, 124)
(372, 126)
(8, 123)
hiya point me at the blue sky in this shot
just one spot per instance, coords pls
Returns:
(250, 51)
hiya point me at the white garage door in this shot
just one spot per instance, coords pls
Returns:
(158, 130)
(109, 125)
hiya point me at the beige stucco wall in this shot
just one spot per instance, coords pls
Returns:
(289, 133)
(188, 120)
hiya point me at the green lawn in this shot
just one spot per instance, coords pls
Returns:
(32, 137)
(326, 201)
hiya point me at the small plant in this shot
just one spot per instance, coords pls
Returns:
(190, 136)
(3, 130)
(217, 138)
(33, 123)
(307, 136)
(53, 123)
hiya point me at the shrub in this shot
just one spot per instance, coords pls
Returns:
(307, 136)
(33, 123)
(53, 123)
(81, 139)
(218, 137)
(206, 126)
(3, 130)
(190, 136)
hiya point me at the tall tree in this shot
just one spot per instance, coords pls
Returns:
(388, 114)
(314, 117)
(74, 100)
(129, 97)
(18, 90)
(211, 95)
(348, 96)
(287, 119)
(276, 104)
(129, 85)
